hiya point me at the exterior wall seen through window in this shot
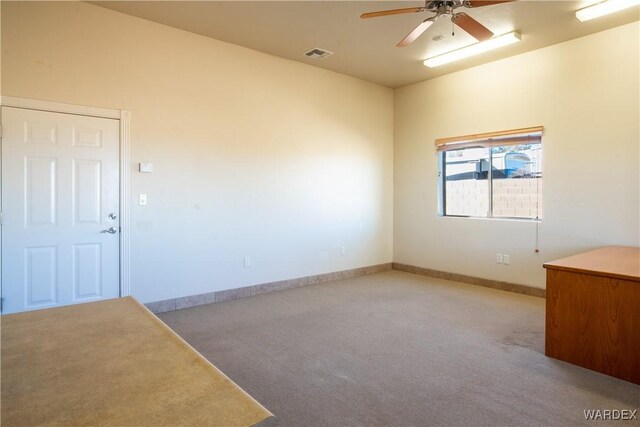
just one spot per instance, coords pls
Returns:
(492, 182)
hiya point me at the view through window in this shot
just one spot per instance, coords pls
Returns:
(492, 180)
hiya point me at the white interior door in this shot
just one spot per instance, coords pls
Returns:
(60, 192)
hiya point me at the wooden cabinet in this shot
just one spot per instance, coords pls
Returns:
(593, 311)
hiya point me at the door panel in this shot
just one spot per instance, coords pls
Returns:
(40, 197)
(41, 276)
(87, 137)
(40, 133)
(87, 194)
(60, 183)
(87, 275)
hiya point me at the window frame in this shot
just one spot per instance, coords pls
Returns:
(490, 141)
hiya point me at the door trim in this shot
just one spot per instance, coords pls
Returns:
(125, 130)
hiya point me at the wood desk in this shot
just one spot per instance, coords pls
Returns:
(593, 311)
(112, 363)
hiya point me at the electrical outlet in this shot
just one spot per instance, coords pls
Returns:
(505, 259)
(247, 261)
(499, 258)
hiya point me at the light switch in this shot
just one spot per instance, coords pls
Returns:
(142, 199)
(146, 167)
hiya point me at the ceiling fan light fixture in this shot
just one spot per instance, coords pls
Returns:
(474, 49)
(604, 8)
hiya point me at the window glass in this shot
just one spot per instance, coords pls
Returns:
(517, 181)
(499, 181)
(467, 187)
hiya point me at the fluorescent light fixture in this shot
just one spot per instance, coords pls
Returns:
(474, 49)
(604, 8)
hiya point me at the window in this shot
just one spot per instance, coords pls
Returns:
(496, 175)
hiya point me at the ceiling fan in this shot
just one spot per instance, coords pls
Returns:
(442, 8)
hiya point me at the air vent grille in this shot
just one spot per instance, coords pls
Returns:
(317, 53)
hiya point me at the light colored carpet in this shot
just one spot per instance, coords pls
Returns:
(398, 349)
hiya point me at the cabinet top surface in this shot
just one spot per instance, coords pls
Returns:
(621, 262)
(120, 362)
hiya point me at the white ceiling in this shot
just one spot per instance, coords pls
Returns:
(367, 49)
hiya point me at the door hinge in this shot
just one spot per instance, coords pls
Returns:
(1, 217)
(1, 304)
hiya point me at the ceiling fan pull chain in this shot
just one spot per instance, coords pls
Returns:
(453, 25)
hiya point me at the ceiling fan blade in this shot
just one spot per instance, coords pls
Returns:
(417, 32)
(473, 27)
(392, 12)
(480, 3)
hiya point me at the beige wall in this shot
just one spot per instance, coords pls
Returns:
(268, 158)
(253, 155)
(586, 94)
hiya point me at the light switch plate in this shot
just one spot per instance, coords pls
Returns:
(142, 199)
(146, 167)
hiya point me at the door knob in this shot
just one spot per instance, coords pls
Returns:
(110, 230)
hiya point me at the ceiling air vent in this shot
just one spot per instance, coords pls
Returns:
(317, 53)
